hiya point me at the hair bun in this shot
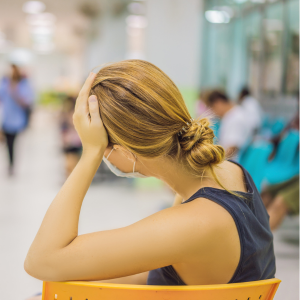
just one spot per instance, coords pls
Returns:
(198, 147)
(197, 132)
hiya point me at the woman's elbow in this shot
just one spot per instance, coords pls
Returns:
(33, 268)
(28, 267)
(39, 269)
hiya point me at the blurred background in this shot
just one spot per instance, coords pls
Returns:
(237, 58)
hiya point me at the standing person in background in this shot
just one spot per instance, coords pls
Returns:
(16, 97)
(252, 108)
(234, 132)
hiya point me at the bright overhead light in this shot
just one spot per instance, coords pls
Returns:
(217, 16)
(136, 21)
(20, 56)
(33, 7)
(44, 19)
(44, 48)
(42, 30)
(225, 9)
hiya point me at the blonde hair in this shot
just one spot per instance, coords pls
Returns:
(143, 110)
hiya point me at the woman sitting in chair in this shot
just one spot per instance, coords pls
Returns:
(131, 115)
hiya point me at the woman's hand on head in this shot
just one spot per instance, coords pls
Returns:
(87, 120)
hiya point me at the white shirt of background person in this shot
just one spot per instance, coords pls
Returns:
(235, 131)
(253, 111)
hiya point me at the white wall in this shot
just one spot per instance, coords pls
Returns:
(109, 44)
(173, 39)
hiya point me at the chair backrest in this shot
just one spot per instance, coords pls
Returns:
(278, 125)
(255, 160)
(79, 290)
(287, 148)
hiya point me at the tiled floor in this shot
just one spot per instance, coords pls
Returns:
(25, 197)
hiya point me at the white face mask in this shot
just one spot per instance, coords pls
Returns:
(118, 172)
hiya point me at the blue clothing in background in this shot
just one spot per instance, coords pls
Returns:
(257, 260)
(14, 116)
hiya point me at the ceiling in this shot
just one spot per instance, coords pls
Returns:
(69, 29)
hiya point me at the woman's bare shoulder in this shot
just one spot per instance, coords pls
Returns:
(231, 176)
(207, 224)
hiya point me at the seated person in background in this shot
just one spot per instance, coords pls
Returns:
(133, 117)
(200, 106)
(281, 199)
(253, 109)
(234, 131)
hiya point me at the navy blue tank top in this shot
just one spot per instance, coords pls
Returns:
(257, 260)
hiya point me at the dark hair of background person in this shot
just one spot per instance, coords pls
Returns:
(212, 96)
(16, 75)
(243, 93)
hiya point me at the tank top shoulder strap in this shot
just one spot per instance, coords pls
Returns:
(215, 193)
(251, 219)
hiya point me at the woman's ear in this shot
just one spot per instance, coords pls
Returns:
(125, 152)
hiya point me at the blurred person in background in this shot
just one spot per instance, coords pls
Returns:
(234, 131)
(203, 110)
(252, 108)
(283, 198)
(16, 97)
(133, 117)
(200, 106)
(70, 139)
(293, 124)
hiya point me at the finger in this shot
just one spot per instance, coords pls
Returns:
(87, 85)
(81, 101)
(94, 109)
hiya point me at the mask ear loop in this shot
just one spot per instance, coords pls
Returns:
(134, 164)
(109, 153)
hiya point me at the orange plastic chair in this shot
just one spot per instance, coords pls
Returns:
(82, 290)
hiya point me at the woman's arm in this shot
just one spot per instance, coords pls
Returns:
(60, 225)
(140, 278)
